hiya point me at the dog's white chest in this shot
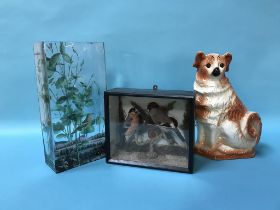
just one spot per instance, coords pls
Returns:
(216, 100)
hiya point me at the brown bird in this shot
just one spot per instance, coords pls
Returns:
(159, 114)
(87, 121)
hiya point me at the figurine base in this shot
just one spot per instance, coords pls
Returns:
(217, 155)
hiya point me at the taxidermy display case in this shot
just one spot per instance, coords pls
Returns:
(150, 128)
(71, 82)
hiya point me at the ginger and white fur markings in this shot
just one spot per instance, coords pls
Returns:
(226, 129)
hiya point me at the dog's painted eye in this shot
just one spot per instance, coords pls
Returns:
(208, 65)
(222, 65)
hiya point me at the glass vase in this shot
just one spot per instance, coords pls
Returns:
(70, 82)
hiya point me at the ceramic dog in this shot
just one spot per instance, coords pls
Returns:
(226, 129)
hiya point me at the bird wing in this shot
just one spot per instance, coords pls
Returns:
(171, 133)
(168, 107)
(145, 115)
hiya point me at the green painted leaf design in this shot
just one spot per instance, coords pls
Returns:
(98, 88)
(73, 96)
(98, 120)
(75, 77)
(53, 61)
(81, 97)
(59, 108)
(61, 99)
(83, 84)
(78, 104)
(74, 51)
(58, 126)
(88, 129)
(65, 121)
(61, 135)
(88, 91)
(89, 103)
(81, 127)
(49, 46)
(50, 73)
(62, 48)
(73, 89)
(67, 58)
(82, 63)
(59, 83)
(51, 80)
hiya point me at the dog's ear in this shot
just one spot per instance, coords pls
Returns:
(198, 58)
(228, 58)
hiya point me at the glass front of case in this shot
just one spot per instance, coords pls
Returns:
(150, 131)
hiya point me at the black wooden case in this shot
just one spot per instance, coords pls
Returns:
(150, 128)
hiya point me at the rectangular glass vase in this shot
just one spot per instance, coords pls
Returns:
(70, 82)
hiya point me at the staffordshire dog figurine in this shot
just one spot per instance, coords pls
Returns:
(226, 129)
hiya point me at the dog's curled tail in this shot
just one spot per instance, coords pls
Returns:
(251, 126)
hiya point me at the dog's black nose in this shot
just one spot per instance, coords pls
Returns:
(216, 72)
